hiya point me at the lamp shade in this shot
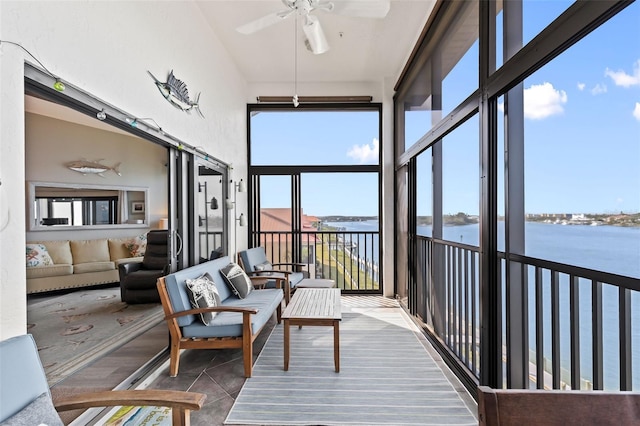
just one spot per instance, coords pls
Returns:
(163, 223)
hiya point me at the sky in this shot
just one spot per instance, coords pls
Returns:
(582, 133)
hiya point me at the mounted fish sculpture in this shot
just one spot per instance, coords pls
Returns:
(92, 167)
(175, 91)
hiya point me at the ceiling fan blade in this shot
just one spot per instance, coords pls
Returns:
(264, 22)
(312, 29)
(362, 8)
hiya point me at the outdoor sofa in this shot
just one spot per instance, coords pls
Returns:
(237, 322)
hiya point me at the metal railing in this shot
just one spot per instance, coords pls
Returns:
(209, 241)
(350, 258)
(448, 297)
(580, 324)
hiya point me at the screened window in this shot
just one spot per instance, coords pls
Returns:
(448, 77)
(315, 190)
(314, 137)
(581, 134)
(424, 194)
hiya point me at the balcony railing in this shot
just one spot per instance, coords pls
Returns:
(580, 324)
(209, 241)
(349, 258)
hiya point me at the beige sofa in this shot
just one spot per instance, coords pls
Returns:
(79, 263)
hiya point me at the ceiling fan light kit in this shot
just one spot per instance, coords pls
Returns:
(315, 36)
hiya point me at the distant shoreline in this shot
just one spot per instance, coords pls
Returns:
(621, 219)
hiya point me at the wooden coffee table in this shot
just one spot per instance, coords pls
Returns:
(314, 307)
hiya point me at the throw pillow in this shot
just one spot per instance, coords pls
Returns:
(39, 412)
(37, 255)
(203, 293)
(237, 279)
(137, 246)
(265, 266)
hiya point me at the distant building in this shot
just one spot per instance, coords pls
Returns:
(276, 235)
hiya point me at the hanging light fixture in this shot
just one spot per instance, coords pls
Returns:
(214, 204)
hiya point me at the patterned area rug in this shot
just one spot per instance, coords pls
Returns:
(74, 329)
(386, 377)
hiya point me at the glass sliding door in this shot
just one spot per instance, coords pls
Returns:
(212, 212)
(200, 214)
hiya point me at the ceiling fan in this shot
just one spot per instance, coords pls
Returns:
(311, 25)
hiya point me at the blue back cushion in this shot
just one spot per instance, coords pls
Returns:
(177, 287)
(252, 257)
(22, 377)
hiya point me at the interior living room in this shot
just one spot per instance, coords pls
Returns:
(465, 169)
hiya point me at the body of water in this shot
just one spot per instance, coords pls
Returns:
(605, 248)
(611, 249)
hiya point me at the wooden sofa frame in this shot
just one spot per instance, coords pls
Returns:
(517, 407)
(178, 341)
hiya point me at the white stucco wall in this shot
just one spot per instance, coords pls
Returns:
(106, 48)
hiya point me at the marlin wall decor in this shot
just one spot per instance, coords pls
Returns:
(175, 91)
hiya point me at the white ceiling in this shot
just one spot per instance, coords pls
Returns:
(362, 49)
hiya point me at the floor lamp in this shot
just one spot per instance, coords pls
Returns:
(240, 220)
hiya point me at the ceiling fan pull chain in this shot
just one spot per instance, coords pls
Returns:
(295, 64)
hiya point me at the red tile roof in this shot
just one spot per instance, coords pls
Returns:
(279, 220)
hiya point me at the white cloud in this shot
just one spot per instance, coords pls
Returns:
(365, 153)
(599, 89)
(543, 100)
(581, 86)
(636, 111)
(621, 78)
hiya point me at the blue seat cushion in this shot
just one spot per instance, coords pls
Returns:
(227, 324)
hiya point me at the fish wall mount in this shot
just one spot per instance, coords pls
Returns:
(93, 167)
(176, 93)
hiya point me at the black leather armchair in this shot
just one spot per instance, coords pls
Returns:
(138, 280)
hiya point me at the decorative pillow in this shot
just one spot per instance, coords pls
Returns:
(137, 246)
(265, 266)
(39, 412)
(237, 279)
(203, 293)
(37, 255)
